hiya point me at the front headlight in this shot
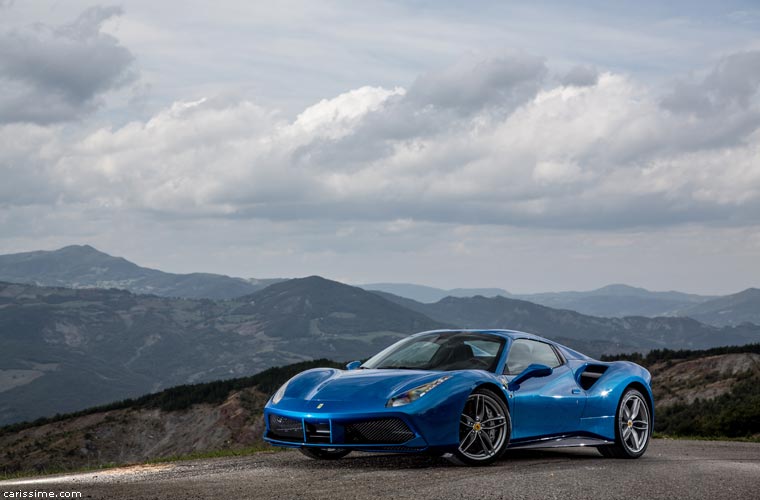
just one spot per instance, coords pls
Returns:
(280, 393)
(416, 393)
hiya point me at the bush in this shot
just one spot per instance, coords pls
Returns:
(659, 355)
(735, 415)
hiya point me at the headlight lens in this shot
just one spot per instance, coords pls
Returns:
(414, 394)
(280, 393)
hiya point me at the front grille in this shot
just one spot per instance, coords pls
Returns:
(285, 428)
(385, 430)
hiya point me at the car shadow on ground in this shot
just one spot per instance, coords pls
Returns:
(378, 461)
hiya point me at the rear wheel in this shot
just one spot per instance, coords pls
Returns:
(484, 429)
(633, 423)
(325, 453)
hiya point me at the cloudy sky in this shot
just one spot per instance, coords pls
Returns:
(527, 145)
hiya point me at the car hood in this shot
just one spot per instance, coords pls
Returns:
(356, 385)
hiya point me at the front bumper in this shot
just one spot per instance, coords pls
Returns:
(380, 431)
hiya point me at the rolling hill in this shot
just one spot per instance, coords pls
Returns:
(614, 301)
(82, 266)
(617, 301)
(223, 415)
(733, 309)
(423, 293)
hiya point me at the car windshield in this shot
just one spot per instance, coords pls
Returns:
(442, 352)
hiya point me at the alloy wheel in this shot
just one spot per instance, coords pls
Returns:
(483, 427)
(633, 421)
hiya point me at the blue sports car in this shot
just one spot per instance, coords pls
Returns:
(468, 395)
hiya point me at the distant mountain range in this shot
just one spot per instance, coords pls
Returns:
(742, 307)
(66, 349)
(82, 266)
(617, 301)
(422, 293)
(614, 301)
(590, 334)
(70, 346)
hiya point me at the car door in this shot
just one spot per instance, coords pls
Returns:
(543, 405)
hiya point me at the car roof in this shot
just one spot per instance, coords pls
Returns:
(512, 334)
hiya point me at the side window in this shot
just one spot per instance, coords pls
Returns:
(525, 352)
(543, 354)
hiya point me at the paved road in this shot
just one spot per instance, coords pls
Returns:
(669, 470)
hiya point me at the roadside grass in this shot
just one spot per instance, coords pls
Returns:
(238, 452)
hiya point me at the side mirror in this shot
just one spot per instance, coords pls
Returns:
(534, 370)
(353, 365)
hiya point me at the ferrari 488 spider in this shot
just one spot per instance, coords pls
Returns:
(468, 395)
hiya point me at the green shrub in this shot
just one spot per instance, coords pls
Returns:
(735, 414)
(659, 355)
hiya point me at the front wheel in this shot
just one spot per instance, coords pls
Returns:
(325, 453)
(633, 423)
(484, 429)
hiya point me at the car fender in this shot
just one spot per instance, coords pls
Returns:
(603, 397)
(440, 410)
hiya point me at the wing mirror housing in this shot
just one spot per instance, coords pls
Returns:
(532, 371)
(353, 365)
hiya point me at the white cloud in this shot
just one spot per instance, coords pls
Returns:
(336, 118)
(527, 152)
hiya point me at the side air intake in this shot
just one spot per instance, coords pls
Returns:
(590, 375)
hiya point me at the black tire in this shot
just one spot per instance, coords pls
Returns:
(633, 427)
(476, 438)
(325, 453)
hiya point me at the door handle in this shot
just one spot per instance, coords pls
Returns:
(576, 391)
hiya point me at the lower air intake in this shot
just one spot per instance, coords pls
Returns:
(385, 431)
(318, 432)
(286, 428)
